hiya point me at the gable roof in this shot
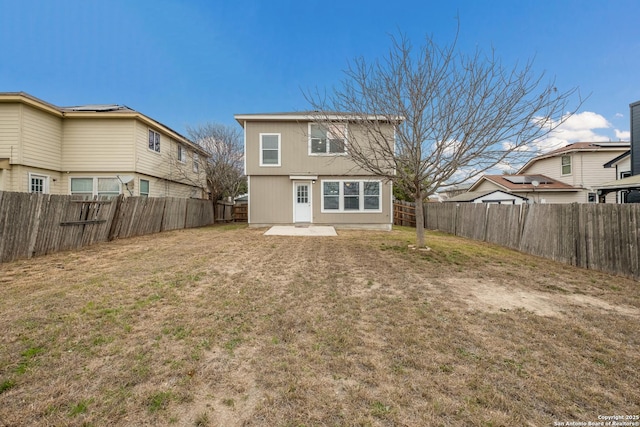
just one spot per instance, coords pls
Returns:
(313, 115)
(470, 196)
(615, 160)
(579, 147)
(519, 182)
(97, 111)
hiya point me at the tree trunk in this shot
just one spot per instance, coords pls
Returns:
(419, 220)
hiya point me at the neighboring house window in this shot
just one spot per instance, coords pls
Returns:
(144, 188)
(196, 163)
(326, 139)
(154, 141)
(38, 184)
(108, 187)
(592, 198)
(182, 155)
(95, 186)
(351, 196)
(269, 149)
(625, 174)
(566, 165)
(82, 186)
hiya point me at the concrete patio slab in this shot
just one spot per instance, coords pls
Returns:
(290, 230)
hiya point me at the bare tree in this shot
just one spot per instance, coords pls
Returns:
(457, 115)
(224, 167)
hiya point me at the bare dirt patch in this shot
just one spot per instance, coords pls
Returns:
(225, 326)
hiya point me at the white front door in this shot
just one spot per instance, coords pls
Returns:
(301, 202)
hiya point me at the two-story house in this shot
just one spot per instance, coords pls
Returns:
(93, 150)
(566, 175)
(628, 186)
(299, 172)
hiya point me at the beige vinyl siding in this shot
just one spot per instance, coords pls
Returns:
(359, 218)
(148, 161)
(165, 165)
(589, 168)
(270, 200)
(586, 168)
(12, 178)
(486, 185)
(10, 132)
(162, 188)
(17, 179)
(41, 139)
(551, 167)
(558, 197)
(98, 145)
(294, 146)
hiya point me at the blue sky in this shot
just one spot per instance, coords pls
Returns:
(189, 62)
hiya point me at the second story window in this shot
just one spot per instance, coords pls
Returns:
(566, 165)
(326, 139)
(154, 141)
(269, 149)
(182, 154)
(196, 163)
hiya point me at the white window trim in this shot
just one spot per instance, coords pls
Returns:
(140, 187)
(182, 154)
(327, 154)
(45, 182)
(562, 165)
(361, 196)
(94, 187)
(269, 165)
(196, 163)
(159, 142)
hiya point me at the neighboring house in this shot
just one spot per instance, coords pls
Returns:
(627, 184)
(298, 172)
(490, 196)
(569, 174)
(93, 150)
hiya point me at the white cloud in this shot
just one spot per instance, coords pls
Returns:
(623, 135)
(619, 115)
(578, 128)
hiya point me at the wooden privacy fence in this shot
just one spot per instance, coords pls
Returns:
(404, 213)
(603, 237)
(38, 224)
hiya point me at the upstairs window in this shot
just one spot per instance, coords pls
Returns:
(182, 154)
(269, 149)
(196, 163)
(566, 165)
(326, 139)
(154, 141)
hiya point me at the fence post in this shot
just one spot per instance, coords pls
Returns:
(115, 218)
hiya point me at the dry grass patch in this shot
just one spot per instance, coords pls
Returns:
(225, 326)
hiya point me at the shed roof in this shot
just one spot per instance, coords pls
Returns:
(629, 183)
